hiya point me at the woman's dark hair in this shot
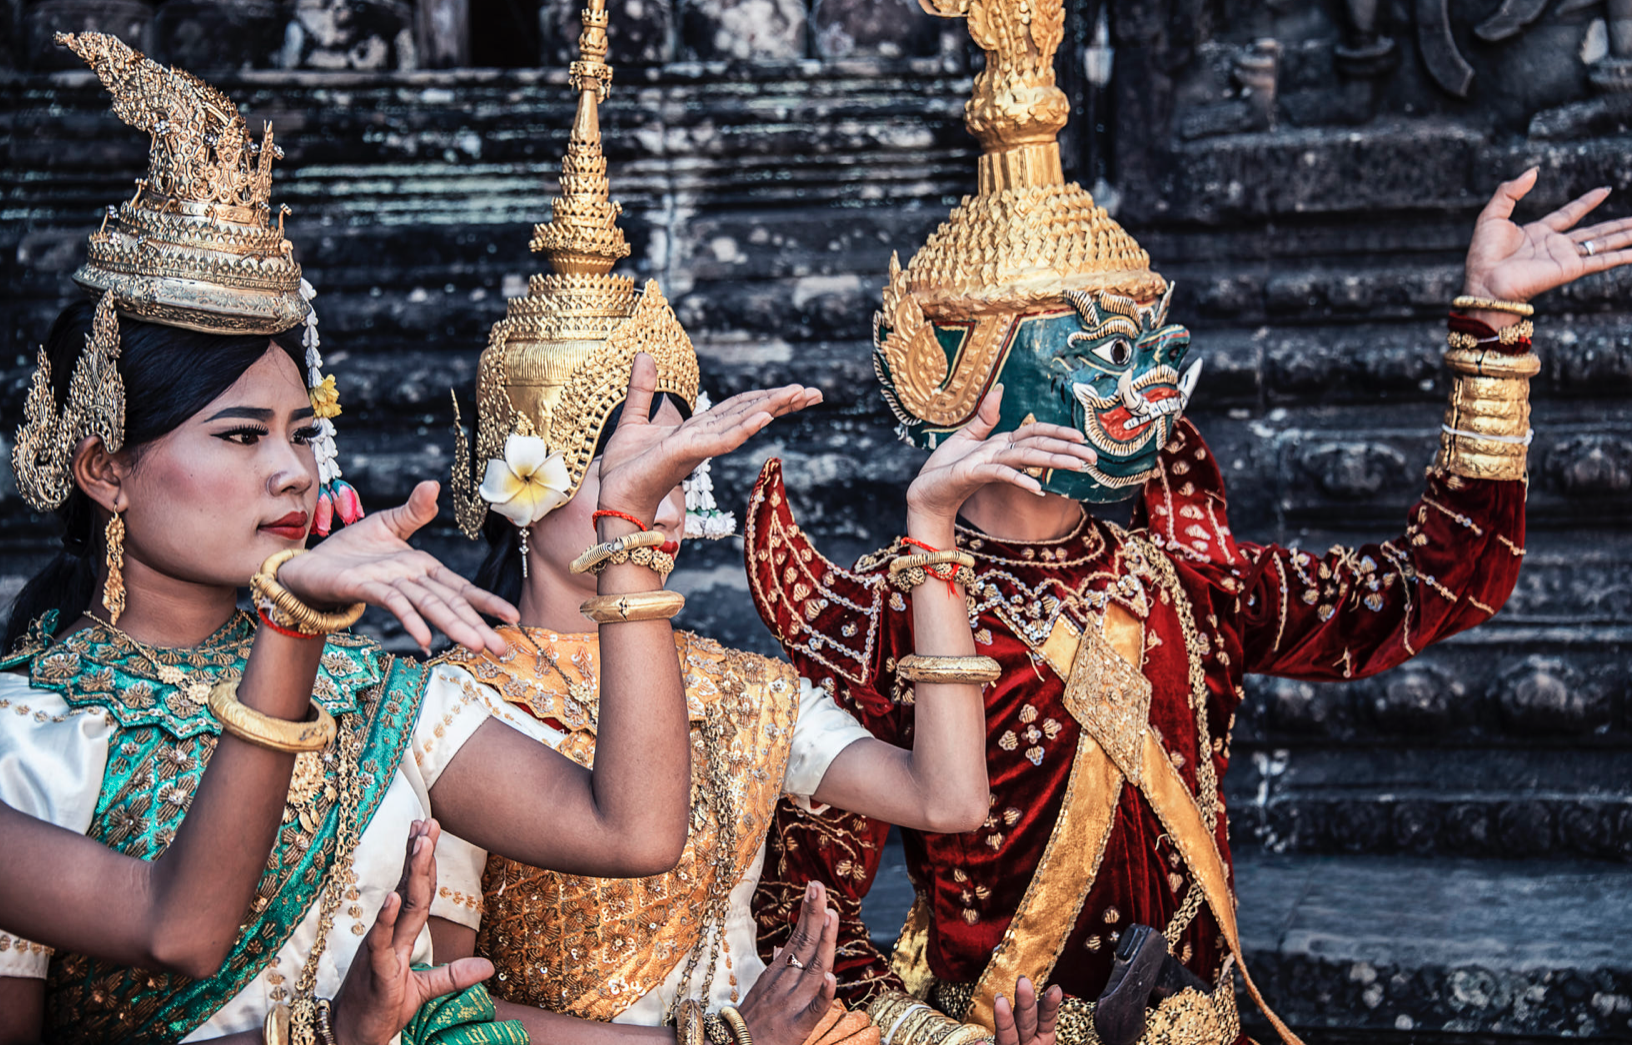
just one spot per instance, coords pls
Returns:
(500, 572)
(170, 374)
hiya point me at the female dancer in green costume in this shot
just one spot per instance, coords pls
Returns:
(198, 450)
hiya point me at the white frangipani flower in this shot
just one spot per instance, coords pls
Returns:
(529, 483)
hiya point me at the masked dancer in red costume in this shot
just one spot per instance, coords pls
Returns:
(1103, 868)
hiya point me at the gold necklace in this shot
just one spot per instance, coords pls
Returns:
(193, 686)
(341, 884)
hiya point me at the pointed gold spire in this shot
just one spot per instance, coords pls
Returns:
(582, 236)
(558, 363)
(1027, 236)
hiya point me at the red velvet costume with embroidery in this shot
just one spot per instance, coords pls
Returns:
(1251, 608)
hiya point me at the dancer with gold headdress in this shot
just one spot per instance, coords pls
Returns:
(1103, 865)
(617, 960)
(179, 419)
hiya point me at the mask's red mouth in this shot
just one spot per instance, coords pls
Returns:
(291, 527)
(1120, 425)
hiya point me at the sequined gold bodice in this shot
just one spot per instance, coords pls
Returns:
(591, 947)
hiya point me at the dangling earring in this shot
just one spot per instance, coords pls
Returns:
(523, 531)
(113, 589)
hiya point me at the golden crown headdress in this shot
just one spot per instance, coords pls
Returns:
(195, 247)
(558, 363)
(1026, 239)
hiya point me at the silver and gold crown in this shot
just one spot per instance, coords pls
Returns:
(196, 246)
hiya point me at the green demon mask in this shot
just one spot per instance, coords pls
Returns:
(1104, 365)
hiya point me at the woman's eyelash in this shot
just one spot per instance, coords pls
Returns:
(307, 434)
(245, 430)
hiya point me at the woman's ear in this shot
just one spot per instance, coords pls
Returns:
(100, 474)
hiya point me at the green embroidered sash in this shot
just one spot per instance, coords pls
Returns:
(161, 743)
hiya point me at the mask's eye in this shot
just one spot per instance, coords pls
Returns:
(1117, 352)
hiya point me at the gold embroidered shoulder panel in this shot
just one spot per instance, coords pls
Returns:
(592, 947)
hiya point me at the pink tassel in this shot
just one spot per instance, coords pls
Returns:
(346, 502)
(323, 518)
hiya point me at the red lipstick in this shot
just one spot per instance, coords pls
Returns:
(291, 527)
(669, 547)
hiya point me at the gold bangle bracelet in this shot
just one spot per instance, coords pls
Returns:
(688, 1023)
(633, 606)
(909, 578)
(739, 1026)
(283, 608)
(1468, 302)
(918, 668)
(628, 542)
(275, 1028)
(275, 734)
(660, 563)
(1508, 336)
(717, 1030)
(946, 558)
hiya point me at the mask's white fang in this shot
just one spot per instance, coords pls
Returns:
(1187, 382)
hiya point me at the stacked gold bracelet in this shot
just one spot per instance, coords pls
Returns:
(638, 605)
(909, 571)
(902, 1019)
(286, 613)
(638, 548)
(276, 734)
(916, 667)
(738, 1025)
(1486, 433)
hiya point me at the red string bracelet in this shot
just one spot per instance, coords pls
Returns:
(281, 630)
(951, 572)
(609, 513)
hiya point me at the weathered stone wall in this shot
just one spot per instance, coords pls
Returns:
(1307, 171)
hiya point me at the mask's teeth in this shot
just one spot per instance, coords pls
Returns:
(1136, 403)
(1187, 383)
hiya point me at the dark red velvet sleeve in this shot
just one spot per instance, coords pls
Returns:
(844, 630)
(1354, 612)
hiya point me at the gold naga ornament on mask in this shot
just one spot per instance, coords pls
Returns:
(559, 362)
(194, 248)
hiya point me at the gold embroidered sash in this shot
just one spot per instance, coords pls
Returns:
(1110, 698)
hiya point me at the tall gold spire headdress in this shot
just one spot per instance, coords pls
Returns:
(195, 248)
(558, 363)
(1025, 240)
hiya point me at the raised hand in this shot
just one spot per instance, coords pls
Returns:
(643, 462)
(796, 989)
(370, 561)
(1517, 262)
(972, 457)
(1029, 1020)
(382, 991)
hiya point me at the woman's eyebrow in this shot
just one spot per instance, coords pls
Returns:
(248, 413)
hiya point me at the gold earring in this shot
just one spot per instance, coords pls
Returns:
(113, 589)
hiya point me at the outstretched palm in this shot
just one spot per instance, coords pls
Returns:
(1517, 262)
(371, 561)
(643, 462)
